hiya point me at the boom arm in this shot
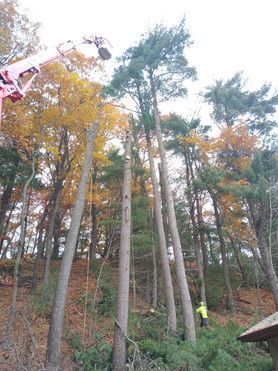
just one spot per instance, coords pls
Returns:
(11, 75)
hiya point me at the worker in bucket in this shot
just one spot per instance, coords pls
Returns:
(202, 310)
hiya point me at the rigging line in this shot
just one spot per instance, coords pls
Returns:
(133, 276)
(93, 302)
(88, 260)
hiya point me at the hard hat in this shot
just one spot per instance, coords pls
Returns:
(201, 303)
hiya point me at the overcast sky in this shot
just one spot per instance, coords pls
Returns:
(228, 35)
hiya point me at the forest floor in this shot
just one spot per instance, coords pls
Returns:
(29, 340)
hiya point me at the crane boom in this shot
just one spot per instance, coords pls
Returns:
(11, 85)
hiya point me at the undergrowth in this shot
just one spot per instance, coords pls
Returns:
(107, 290)
(217, 348)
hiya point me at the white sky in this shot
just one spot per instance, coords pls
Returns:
(228, 35)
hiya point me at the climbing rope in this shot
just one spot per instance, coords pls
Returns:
(88, 262)
(99, 277)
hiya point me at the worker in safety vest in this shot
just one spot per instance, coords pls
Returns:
(202, 310)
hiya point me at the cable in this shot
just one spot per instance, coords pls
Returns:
(88, 262)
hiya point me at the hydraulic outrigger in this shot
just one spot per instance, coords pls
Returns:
(11, 84)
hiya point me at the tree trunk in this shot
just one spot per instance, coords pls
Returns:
(214, 259)
(267, 259)
(19, 252)
(200, 222)
(120, 331)
(239, 263)
(260, 222)
(4, 230)
(202, 237)
(258, 258)
(269, 268)
(198, 253)
(7, 193)
(93, 243)
(57, 317)
(56, 242)
(187, 310)
(5, 203)
(164, 208)
(148, 280)
(154, 278)
(166, 272)
(62, 165)
(40, 243)
(50, 231)
(228, 287)
(38, 257)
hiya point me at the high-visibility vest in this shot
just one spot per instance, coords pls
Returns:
(202, 310)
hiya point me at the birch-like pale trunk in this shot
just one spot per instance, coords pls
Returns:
(120, 330)
(166, 272)
(58, 309)
(185, 299)
(196, 243)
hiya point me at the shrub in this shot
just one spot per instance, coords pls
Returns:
(107, 303)
(42, 301)
(154, 327)
(107, 300)
(215, 288)
(74, 340)
(216, 349)
(97, 357)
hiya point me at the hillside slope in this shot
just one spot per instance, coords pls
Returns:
(82, 324)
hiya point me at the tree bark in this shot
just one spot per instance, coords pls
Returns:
(50, 231)
(164, 208)
(40, 230)
(41, 241)
(57, 231)
(187, 310)
(57, 317)
(166, 272)
(93, 243)
(269, 268)
(200, 222)
(202, 237)
(120, 330)
(154, 278)
(198, 253)
(260, 221)
(62, 165)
